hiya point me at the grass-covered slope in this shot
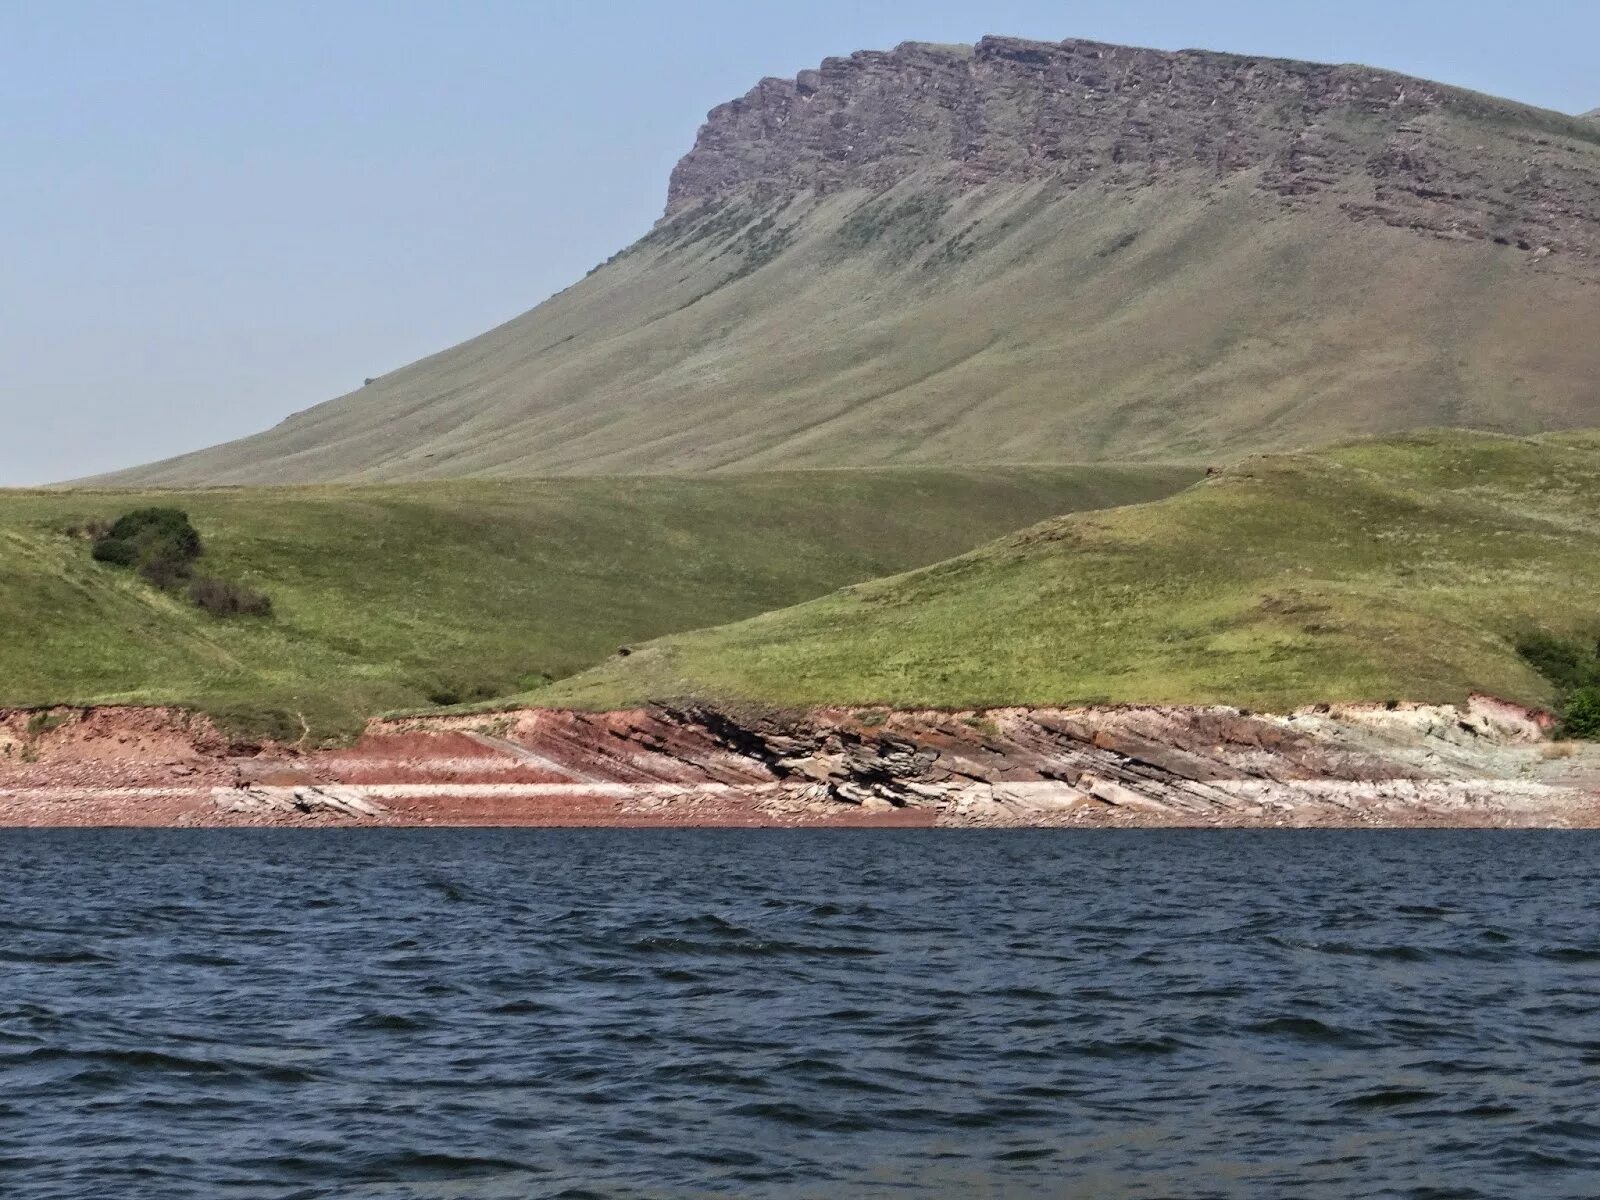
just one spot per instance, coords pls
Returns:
(1403, 568)
(1188, 320)
(392, 596)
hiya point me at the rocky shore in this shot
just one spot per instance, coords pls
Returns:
(1488, 764)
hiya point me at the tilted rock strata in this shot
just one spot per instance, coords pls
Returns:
(667, 766)
(1395, 149)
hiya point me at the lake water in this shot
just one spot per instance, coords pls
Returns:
(464, 1014)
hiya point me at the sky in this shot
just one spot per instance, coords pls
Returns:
(216, 213)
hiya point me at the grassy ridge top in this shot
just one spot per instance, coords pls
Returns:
(390, 597)
(1397, 568)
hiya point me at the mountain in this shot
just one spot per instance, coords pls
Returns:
(1402, 568)
(1026, 251)
(391, 596)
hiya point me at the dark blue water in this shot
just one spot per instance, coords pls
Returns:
(520, 1014)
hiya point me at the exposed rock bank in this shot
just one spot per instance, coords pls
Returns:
(1487, 765)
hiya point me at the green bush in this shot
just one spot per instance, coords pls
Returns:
(159, 528)
(160, 542)
(1562, 663)
(1580, 716)
(455, 690)
(162, 546)
(1575, 670)
(115, 551)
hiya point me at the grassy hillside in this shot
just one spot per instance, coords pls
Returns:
(395, 596)
(1188, 321)
(1399, 568)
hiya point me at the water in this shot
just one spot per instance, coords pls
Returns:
(464, 1014)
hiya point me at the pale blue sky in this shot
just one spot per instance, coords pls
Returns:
(217, 213)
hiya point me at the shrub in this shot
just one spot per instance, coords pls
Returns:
(1575, 670)
(223, 598)
(163, 570)
(1580, 716)
(1562, 663)
(160, 542)
(159, 529)
(449, 692)
(162, 545)
(115, 551)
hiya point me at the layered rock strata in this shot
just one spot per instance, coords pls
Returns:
(1487, 765)
(1391, 148)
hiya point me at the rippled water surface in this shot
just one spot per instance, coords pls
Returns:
(470, 1014)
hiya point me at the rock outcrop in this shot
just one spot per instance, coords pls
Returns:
(1392, 148)
(1486, 765)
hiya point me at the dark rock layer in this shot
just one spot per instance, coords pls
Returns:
(1396, 149)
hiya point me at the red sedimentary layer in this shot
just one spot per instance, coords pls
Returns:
(662, 767)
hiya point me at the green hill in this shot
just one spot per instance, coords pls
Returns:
(391, 596)
(1400, 568)
(1024, 252)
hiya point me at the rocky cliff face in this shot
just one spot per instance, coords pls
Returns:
(1391, 148)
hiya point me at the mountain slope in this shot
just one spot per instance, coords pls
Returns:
(1401, 568)
(1028, 251)
(390, 596)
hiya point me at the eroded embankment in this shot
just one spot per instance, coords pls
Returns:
(1486, 765)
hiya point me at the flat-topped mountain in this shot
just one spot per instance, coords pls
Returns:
(1074, 113)
(1025, 251)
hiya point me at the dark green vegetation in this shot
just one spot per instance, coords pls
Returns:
(159, 542)
(388, 597)
(162, 545)
(1410, 567)
(1574, 669)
